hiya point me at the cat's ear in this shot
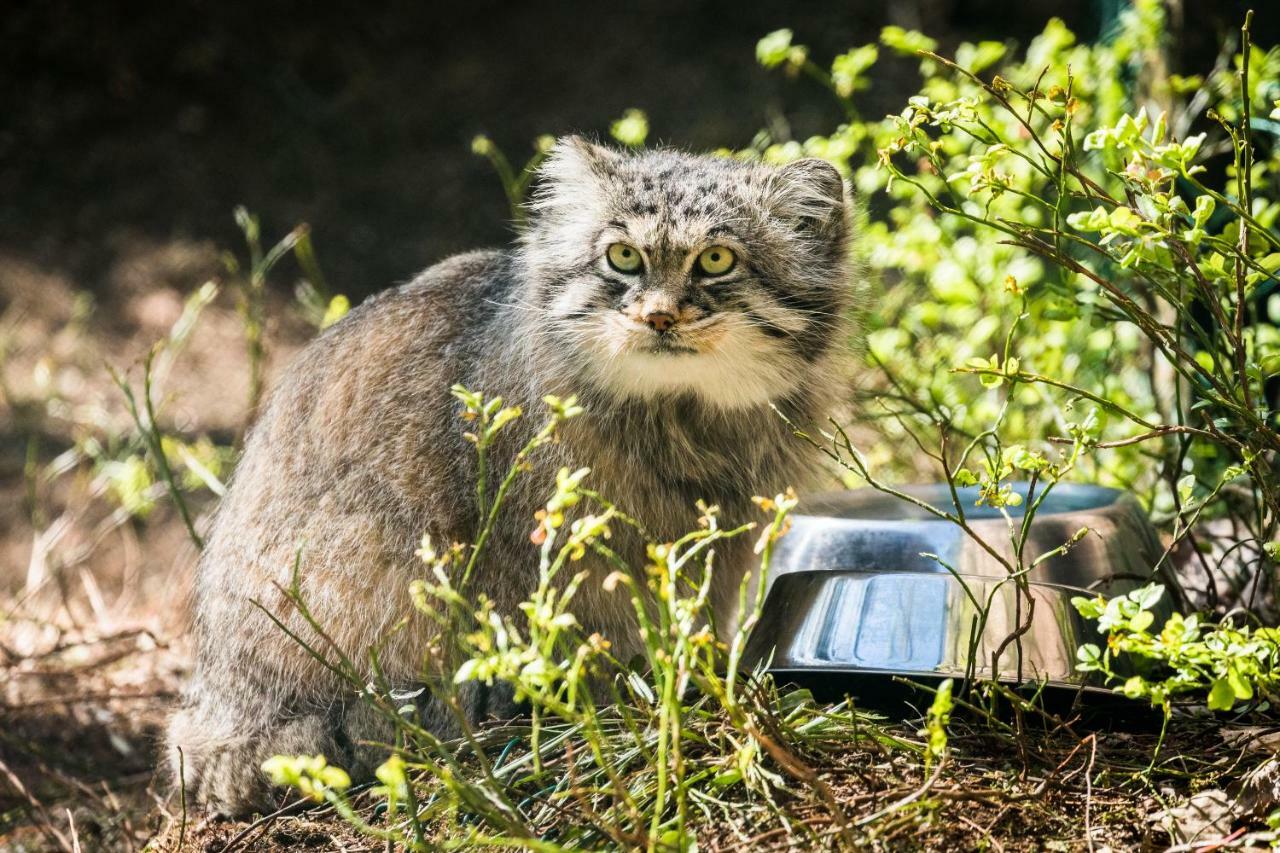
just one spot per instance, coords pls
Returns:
(572, 170)
(810, 192)
(577, 158)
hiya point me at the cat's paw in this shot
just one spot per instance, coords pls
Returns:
(221, 772)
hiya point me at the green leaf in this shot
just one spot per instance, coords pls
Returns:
(798, 698)
(908, 42)
(729, 777)
(1089, 657)
(847, 69)
(773, 49)
(1221, 695)
(1240, 686)
(1093, 220)
(1141, 621)
(1124, 221)
(1089, 608)
(981, 56)
(1204, 209)
(391, 772)
(1148, 596)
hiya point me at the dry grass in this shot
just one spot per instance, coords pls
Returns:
(1077, 794)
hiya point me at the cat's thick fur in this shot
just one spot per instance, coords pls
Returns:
(360, 451)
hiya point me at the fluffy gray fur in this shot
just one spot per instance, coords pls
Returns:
(359, 450)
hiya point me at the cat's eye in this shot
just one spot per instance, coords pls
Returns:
(717, 260)
(624, 258)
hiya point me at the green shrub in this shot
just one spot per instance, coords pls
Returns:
(1073, 237)
(1222, 663)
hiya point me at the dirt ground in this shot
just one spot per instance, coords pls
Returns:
(93, 602)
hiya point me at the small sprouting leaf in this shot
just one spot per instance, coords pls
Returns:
(632, 129)
(937, 720)
(1186, 486)
(338, 308)
(470, 399)
(1135, 687)
(774, 48)
(503, 417)
(1088, 657)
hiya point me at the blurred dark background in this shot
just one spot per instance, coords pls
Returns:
(134, 121)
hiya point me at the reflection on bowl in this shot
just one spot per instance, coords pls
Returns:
(861, 584)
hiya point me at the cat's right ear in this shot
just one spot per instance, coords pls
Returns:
(581, 153)
(575, 160)
(573, 171)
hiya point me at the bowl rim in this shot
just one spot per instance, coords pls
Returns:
(950, 575)
(1103, 497)
(794, 672)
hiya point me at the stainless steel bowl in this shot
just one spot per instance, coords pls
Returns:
(852, 591)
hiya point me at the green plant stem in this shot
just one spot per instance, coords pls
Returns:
(145, 422)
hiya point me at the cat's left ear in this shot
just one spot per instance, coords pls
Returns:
(812, 194)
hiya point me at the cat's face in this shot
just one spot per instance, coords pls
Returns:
(662, 273)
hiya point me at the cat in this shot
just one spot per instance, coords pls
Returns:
(680, 297)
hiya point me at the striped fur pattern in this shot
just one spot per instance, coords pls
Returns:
(359, 450)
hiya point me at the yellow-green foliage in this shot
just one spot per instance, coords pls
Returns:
(1065, 237)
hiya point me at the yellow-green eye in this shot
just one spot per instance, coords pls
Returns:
(624, 258)
(716, 260)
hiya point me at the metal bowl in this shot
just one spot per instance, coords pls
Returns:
(852, 590)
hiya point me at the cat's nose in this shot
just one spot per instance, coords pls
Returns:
(660, 321)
